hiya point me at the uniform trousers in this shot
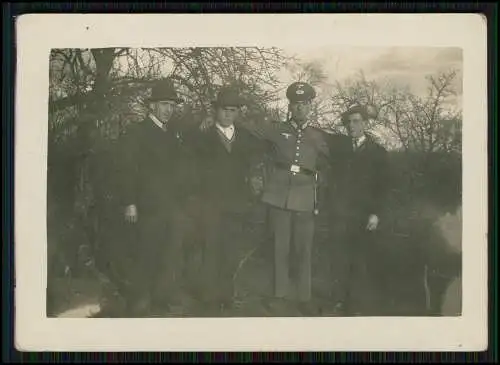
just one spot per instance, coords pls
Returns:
(298, 228)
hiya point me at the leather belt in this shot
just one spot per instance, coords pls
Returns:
(295, 168)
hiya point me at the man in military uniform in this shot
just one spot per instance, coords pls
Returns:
(290, 189)
(357, 204)
(156, 182)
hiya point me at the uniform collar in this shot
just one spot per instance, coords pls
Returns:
(297, 127)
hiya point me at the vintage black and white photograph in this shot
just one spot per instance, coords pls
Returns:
(254, 181)
(244, 181)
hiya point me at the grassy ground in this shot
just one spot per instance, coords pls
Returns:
(401, 288)
(401, 291)
(404, 253)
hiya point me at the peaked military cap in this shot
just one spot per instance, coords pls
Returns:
(300, 91)
(164, 90)
(228, 96)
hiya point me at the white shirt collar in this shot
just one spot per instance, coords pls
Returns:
(359, 141)
(227, 131)
(156, 121)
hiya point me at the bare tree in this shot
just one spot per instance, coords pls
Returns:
(310, 72)
(126, 73)
(94, 93)
(423, 124)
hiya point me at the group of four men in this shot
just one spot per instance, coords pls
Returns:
(166, 168)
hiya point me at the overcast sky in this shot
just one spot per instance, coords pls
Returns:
(402, 66)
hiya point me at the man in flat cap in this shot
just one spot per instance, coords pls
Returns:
(357, 201)
(226, 156)
(156, 182)
(290, 190)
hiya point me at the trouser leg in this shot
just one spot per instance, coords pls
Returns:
(169, 278)
(357, 285)
(230, 238)
(144, 271)
(281, 222)
(303, 228)
(338, 260)
(212, 255)
(223, 231)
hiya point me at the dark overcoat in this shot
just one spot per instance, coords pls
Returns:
(157, 171)
(360, 179)
(223, 175)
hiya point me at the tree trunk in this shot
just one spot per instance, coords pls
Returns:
(93, 111)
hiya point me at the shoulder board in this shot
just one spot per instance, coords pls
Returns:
(316, 128)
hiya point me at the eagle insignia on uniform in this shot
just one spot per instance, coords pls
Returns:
(286, 135)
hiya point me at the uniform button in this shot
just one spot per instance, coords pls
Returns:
(298, 147)
(294, 173)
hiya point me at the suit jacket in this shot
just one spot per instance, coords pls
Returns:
(223, 174)
(291, 146)
(156, 168)
(361, 179)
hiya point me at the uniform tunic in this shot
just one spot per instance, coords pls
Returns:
(292, 146)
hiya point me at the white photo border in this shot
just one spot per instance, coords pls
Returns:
(37, 34)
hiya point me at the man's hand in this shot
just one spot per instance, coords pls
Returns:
(257, 184)
(372, 222)
(207, 123)
(131, 214)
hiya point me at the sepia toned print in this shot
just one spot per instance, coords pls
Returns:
(254, 182)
